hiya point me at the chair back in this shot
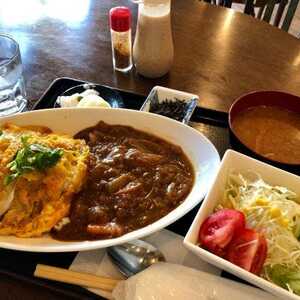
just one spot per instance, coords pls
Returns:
(266, 10)
(278, 22)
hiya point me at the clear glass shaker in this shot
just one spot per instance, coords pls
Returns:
(120, 29)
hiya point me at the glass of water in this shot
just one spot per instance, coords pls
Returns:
(12, 89)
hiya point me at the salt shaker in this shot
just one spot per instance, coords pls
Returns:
(120, 29)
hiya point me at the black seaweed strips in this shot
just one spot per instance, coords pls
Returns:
(175, 109)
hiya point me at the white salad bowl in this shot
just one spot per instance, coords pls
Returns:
(197, 147)
(238, 162)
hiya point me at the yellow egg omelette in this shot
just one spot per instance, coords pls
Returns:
(40, 171)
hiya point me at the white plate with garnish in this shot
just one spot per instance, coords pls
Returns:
(89, 95)
(199, 150)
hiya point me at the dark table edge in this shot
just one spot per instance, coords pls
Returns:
(47, 284)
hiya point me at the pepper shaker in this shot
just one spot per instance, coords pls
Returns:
(120, 29)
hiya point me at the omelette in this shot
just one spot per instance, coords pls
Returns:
(40, 171)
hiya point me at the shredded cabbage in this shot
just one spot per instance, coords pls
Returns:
(272, 210)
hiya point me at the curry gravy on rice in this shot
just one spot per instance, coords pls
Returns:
(105, 182)
(40, 198)
(134, 178)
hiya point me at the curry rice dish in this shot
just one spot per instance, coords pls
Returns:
(106, 181)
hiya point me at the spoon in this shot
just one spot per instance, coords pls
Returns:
(134, 257)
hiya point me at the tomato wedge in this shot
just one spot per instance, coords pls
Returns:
(248, 250)
(218, 229)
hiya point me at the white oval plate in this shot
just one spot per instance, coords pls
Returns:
(197, 147)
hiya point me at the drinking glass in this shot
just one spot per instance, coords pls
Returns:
(12, 89)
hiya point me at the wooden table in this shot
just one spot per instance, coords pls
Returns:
(219, 54)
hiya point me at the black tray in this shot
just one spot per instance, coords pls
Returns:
(21, 265)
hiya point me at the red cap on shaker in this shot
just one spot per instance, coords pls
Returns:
(120, 18)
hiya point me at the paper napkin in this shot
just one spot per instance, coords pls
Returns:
(171, 244)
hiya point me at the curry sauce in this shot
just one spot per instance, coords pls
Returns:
(133, 179)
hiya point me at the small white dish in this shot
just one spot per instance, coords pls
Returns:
(238, 162)
(200, 151)
(161, 94)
